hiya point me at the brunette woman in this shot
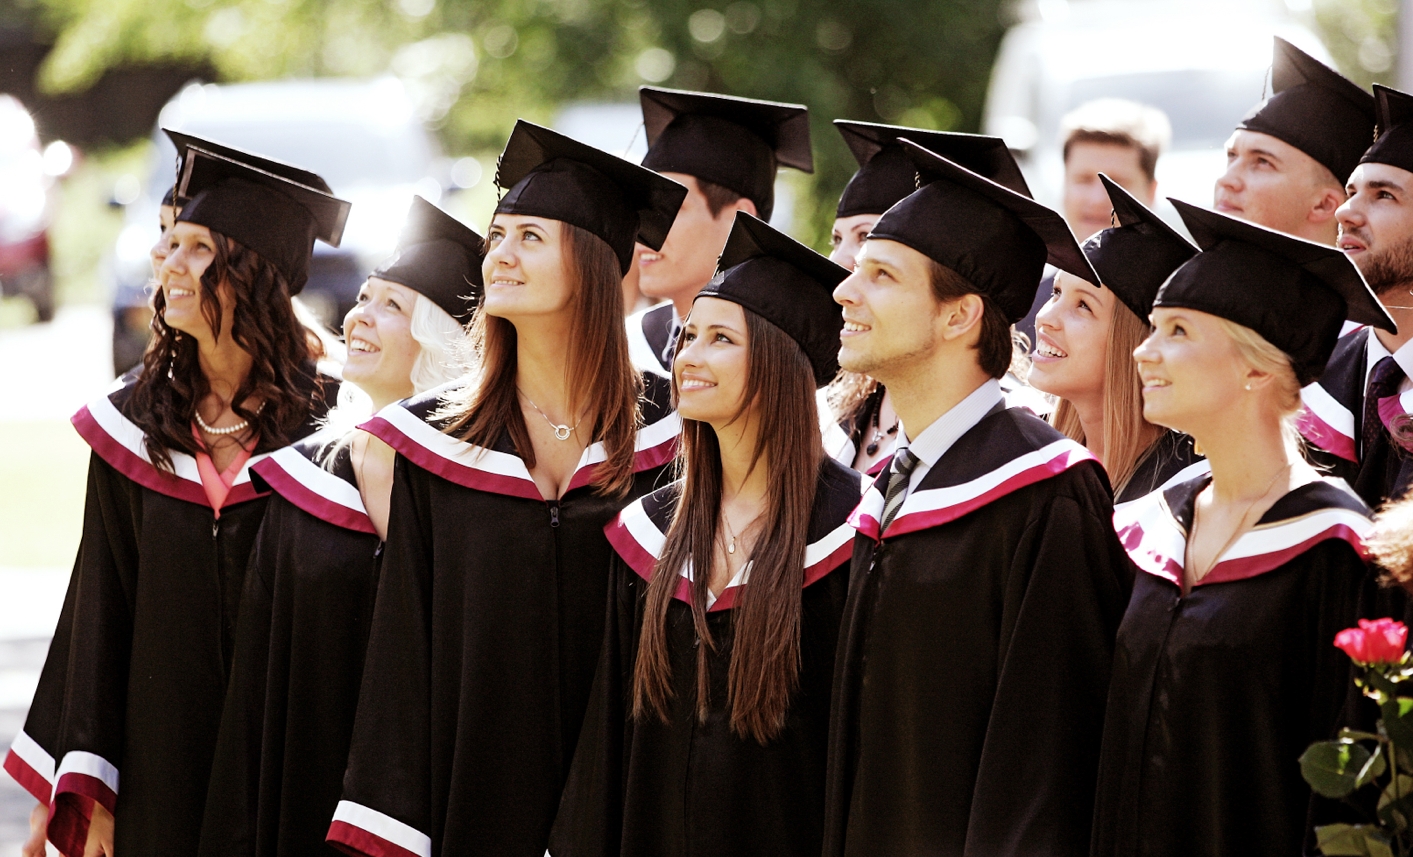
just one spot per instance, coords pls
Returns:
(1085, 337)
(490, 605)
(1225, 667)
(860, 427)
(708, 725)
(137, 669)
(309, 589)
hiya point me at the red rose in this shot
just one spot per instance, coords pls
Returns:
(1380, 641)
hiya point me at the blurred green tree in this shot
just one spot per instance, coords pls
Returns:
(481, 63)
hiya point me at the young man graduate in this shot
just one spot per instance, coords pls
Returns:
(1288, 159)
(726, 152)
(987, 582)
(1356, 411)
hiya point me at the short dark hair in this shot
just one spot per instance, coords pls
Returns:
(994, 342)
(1118, 122)
(718, 196)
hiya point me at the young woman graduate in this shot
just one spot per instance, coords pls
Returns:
(137, 669)
(303, 628)
(708, 724)
(1225, 667)
(861, 427)
(490, 605)
(1085, 337)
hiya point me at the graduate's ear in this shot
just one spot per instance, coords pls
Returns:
(961, 318)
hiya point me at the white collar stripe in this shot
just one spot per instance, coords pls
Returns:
(87, 774)
(640, 351)
(315, 490)
(1190, 472)
(1326, 423)
(368, 831)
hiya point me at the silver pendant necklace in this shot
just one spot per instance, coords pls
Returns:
(561, 430)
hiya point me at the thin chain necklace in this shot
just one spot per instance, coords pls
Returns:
(561, 430)
(731, 545)
(1240, 525)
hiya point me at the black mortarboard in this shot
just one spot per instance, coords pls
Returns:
(737, 143)
(1394, 145)
(550, 175)
(995, 238)
(170, 197)
(271, 215)
(438, 257)
(1293, 292)
(886, 174)
(1315, 109)
(785, 283)
(1135, 258)
(299, 175)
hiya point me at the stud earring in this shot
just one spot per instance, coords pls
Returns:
(1248, 387)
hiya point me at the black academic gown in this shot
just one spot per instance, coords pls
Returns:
(486, 631)
(649, 333)
(974, 656)
(136, 674)
(1216, 694)
(1172, 459)
(686, 787)
(299, 646)
(1332, 421)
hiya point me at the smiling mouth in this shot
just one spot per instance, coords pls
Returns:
(1043, 349)
(359, 346)
(1154, 383)
(178, 292)
(855, 327)
(648, 258)
(502, 281)
(693, 384)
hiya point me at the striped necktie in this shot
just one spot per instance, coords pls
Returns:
(902, 470)
(1384, 381)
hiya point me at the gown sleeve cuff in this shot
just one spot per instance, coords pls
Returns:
(359, 830)
(32, 767)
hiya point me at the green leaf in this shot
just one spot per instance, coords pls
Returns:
(1352, 840)
(1372, 769)
(1396, 803)
(1332, 768)
(1398, 720)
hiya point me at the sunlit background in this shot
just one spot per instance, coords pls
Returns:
(388, 99)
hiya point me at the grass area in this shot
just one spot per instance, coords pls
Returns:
(43, 468)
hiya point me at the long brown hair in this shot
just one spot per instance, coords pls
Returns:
(601, 375)
(1127, 435)
(263, 324)
(765, 654)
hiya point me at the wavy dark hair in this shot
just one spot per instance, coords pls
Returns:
(765, 651)
(163, 402)
(601, 374)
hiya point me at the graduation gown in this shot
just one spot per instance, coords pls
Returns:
(1171, 460)
(974, 654)
(136, 673)
(649, 332)
(486, 630)
(686, 787)
(1332, 422)
(1216, 694)
(299, 646)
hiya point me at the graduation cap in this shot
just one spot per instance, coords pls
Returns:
(995, 238)
(439, 257)
(886, 174)
(1135, 258)
(785, 283)
(1315, 109)
(170, 197)
(1293, 292)
(550, 175)
(299, 175)
(270, 214)
(737, 143)
(1394, 144)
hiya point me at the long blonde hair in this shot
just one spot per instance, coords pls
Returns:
(1127, 435)
(1262, 356)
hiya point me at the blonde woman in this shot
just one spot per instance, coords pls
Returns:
(1085, 337)
(303, 626)
(1224, 666)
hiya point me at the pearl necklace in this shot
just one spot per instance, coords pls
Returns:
(238, 427)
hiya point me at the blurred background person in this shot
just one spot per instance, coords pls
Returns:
(1119, 138)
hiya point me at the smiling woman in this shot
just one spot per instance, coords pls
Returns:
(136, 674)
(503, 485)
